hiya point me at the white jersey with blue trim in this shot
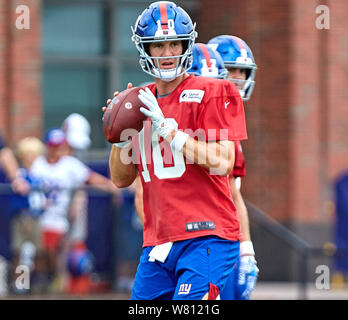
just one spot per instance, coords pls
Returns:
(61, 179)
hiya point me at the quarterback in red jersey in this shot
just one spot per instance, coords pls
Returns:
(208, 62)
(196, 116)
(183, 155)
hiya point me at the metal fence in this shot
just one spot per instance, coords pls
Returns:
(305, 250)
(103, 214)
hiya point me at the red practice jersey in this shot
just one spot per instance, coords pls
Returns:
(183, 200)
(239, 169)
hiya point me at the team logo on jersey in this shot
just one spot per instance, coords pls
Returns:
(192, 96)
(185, 288)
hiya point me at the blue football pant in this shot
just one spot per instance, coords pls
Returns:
(193, 268)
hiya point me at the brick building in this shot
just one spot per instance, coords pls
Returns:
(296, 118)
(20, 72)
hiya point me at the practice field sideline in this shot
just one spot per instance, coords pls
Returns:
(263, 291)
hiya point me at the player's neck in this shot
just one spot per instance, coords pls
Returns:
(165, 88)
(52, 158)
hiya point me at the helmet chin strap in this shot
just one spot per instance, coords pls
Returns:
(242, 92)
(245, 88)
(167, 75)
(242, 85)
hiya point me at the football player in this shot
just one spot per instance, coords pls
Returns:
(208, 62)
(183, 154)
(62, 175)
(25, 229)
(77, 131)
(240, 63)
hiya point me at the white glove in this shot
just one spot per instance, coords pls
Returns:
(162, 125)
(248, 273)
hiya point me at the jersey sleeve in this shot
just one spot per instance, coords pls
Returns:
(80, 172)
(222, 116)
(239, 169)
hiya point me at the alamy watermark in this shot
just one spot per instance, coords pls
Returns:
(149, 149)
(23, 279)
(23, 17)
(323, 20)
(322, 282)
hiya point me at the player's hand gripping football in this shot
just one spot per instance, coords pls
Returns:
(116, 93)
(248, 273)
(162, 125)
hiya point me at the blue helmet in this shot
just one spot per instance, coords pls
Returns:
(207, 62)
(80, 261)
(164, 21)
(237, 54)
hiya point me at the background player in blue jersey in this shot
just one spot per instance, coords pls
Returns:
(26, 235)
(240, 64)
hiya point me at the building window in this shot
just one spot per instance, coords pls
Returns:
(76, 51)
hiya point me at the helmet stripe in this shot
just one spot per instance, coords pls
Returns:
(239, 42)
(164, 17)
(205, 53)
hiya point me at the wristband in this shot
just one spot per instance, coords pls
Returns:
(246, 248)
(179, 140)
(123, 144)
(238, 182)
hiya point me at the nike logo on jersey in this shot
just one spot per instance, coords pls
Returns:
(226, 104)
(192, 96)
(200, 225)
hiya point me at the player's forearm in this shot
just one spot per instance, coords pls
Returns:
(241, 210)
(139, 207)
(77, 204)
(9, 163)
(138, 200)
(216, 156)
(243, 218)
(122, 170)
(99, 181)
